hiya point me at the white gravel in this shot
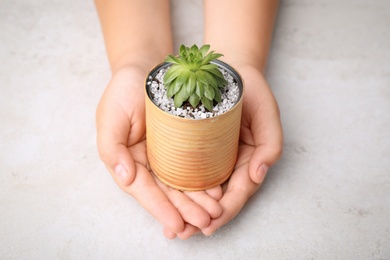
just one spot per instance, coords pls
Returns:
(229, 97)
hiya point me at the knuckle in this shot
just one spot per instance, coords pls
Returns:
(277, 151)
(104, 153)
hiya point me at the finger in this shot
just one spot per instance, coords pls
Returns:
(119, 125)
(240, 189)
(232, 204)
(145, 190)
(112, 133)
(168, 233)
(261, 126)
(191, 212)
(207, 202)
(215, 192)
(268, 142)
(189, 230)
(258, 167)
(263, 157)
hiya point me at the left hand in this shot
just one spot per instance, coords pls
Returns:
(261, 141)
(120, 123)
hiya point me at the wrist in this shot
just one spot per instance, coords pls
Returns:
(143, 62)
(240, 60)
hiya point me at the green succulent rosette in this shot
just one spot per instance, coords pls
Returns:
(193, 78)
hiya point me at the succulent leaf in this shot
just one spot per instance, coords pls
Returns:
(180, 97)
(210, 79)
(193, 78)
(204, 49)
(173, 89)
(208, 67)
(172, 59)
(200, 75)
(209, 92)
(207, 103)
(194, 100)
(210, 57)
(217, 96)
(199, 89)
(170, 92)
(194, 49)
(182, 78)
(191, 83)
(171, 74)
(182, 50)
(217, 73)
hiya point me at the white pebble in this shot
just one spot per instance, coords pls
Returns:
(229, 96)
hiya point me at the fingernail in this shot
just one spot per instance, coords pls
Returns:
(261, 172)
(208, 233)
(121, 172)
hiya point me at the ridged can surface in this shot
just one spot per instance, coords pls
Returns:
(191, 154)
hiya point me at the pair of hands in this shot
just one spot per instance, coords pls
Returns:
(122, 147)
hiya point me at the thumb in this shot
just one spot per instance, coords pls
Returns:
(123, 168)
(113, 151)
(119, 163)
(112, 127)
(263, 157)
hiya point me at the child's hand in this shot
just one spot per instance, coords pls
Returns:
(121, 143)
(207, 200)
(122, 147)
(261, 141)
(260, 147)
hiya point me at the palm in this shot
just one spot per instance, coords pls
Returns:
(121, 140)
(260, 143)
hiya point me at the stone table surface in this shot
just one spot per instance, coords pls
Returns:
(327, 198)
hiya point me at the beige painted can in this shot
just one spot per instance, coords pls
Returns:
(190, 154)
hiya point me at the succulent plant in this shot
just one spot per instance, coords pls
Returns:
(193, 78)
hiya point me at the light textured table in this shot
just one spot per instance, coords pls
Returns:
(328, 197)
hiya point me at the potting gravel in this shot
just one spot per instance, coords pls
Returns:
(229, 97)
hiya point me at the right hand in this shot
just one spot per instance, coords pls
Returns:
(120, 121)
